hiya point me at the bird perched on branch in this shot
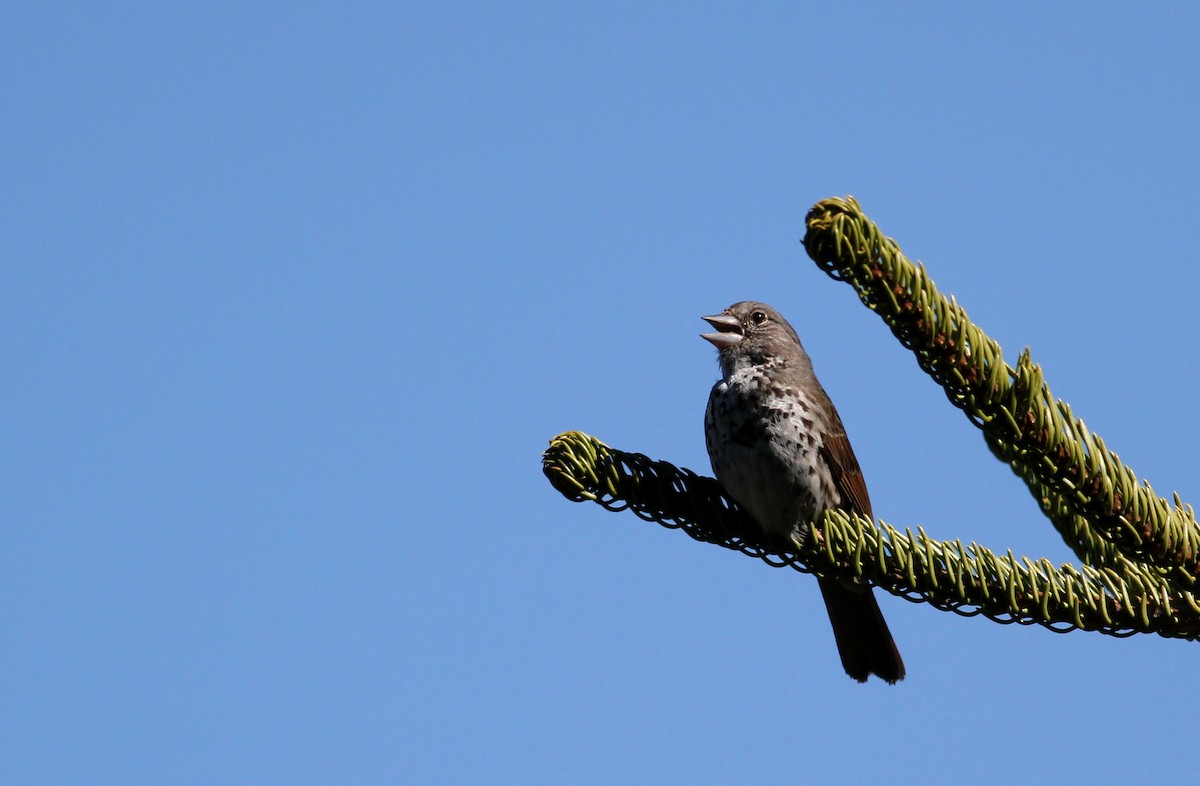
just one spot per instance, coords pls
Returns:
(778, 447)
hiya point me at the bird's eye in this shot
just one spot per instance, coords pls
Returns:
(758, 317)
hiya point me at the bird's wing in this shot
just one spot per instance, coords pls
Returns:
(847, 476)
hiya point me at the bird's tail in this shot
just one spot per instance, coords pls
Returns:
(862, 635)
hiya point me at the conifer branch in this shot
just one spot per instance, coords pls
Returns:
(1025, 426)
(967, 579)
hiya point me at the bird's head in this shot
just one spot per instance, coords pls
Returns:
(752, 333)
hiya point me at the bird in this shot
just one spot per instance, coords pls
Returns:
(778, 447)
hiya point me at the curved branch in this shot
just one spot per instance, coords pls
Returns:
(1024, 424)
(1119, 600)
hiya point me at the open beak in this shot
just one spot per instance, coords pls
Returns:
(729, 331)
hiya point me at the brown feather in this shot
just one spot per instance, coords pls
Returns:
(847, 476)
(863, 640)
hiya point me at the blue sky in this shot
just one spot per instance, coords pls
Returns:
(294, 296)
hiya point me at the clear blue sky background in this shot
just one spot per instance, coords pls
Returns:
(294, 295)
